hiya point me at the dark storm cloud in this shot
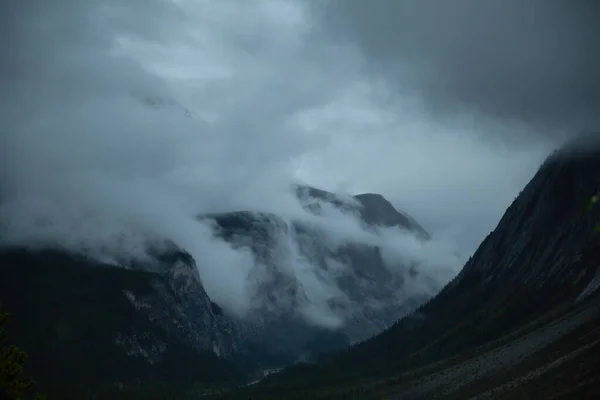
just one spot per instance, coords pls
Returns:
(86, 165)
(536, 61)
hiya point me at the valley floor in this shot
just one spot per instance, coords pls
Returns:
(512, 364)
(554, 357)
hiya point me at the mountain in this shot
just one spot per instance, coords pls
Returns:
(371, 293)
(88, 325)
(373, 209)
(91, 326)
(532, 284)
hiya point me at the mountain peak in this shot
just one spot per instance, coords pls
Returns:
(373, 208)
(377, 210)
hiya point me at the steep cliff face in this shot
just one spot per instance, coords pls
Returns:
(187, 307)
(545, 235)
(83, 322)
(543, 253)
(365, 295)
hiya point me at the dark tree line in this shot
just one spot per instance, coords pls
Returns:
(14, 384)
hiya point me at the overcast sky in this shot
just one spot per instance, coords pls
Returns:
(445, 108)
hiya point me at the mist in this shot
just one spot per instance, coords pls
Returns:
(123, 121)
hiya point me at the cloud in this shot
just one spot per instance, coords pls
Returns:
(533, 61)
(123, 120)
(456, 180)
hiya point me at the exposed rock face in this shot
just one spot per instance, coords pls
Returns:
(376, 210)
(200, 321)
(82, 321)
(542, 255)
(369, 295)
(373, 209)
(545, 234)
(372, 295)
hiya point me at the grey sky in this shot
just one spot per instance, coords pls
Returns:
(535, 61)
(279, 92)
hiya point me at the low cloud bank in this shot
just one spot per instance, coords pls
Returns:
(105, 148)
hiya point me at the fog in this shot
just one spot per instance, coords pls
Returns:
(123, 120)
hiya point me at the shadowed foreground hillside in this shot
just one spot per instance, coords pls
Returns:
(83, 334)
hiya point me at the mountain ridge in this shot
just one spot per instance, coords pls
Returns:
(166, 296)
(539, 260)
(260, 232)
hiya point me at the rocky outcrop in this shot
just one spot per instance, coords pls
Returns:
(373, 209)
(370, 297)
(199, 320)
(86, 322)
(376, 210)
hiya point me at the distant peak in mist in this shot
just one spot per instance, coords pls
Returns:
(372, 208)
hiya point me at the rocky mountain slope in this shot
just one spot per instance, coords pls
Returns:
(537, 268)
(372, 294)
(77, 317)
(86, 325)
(372, 208)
